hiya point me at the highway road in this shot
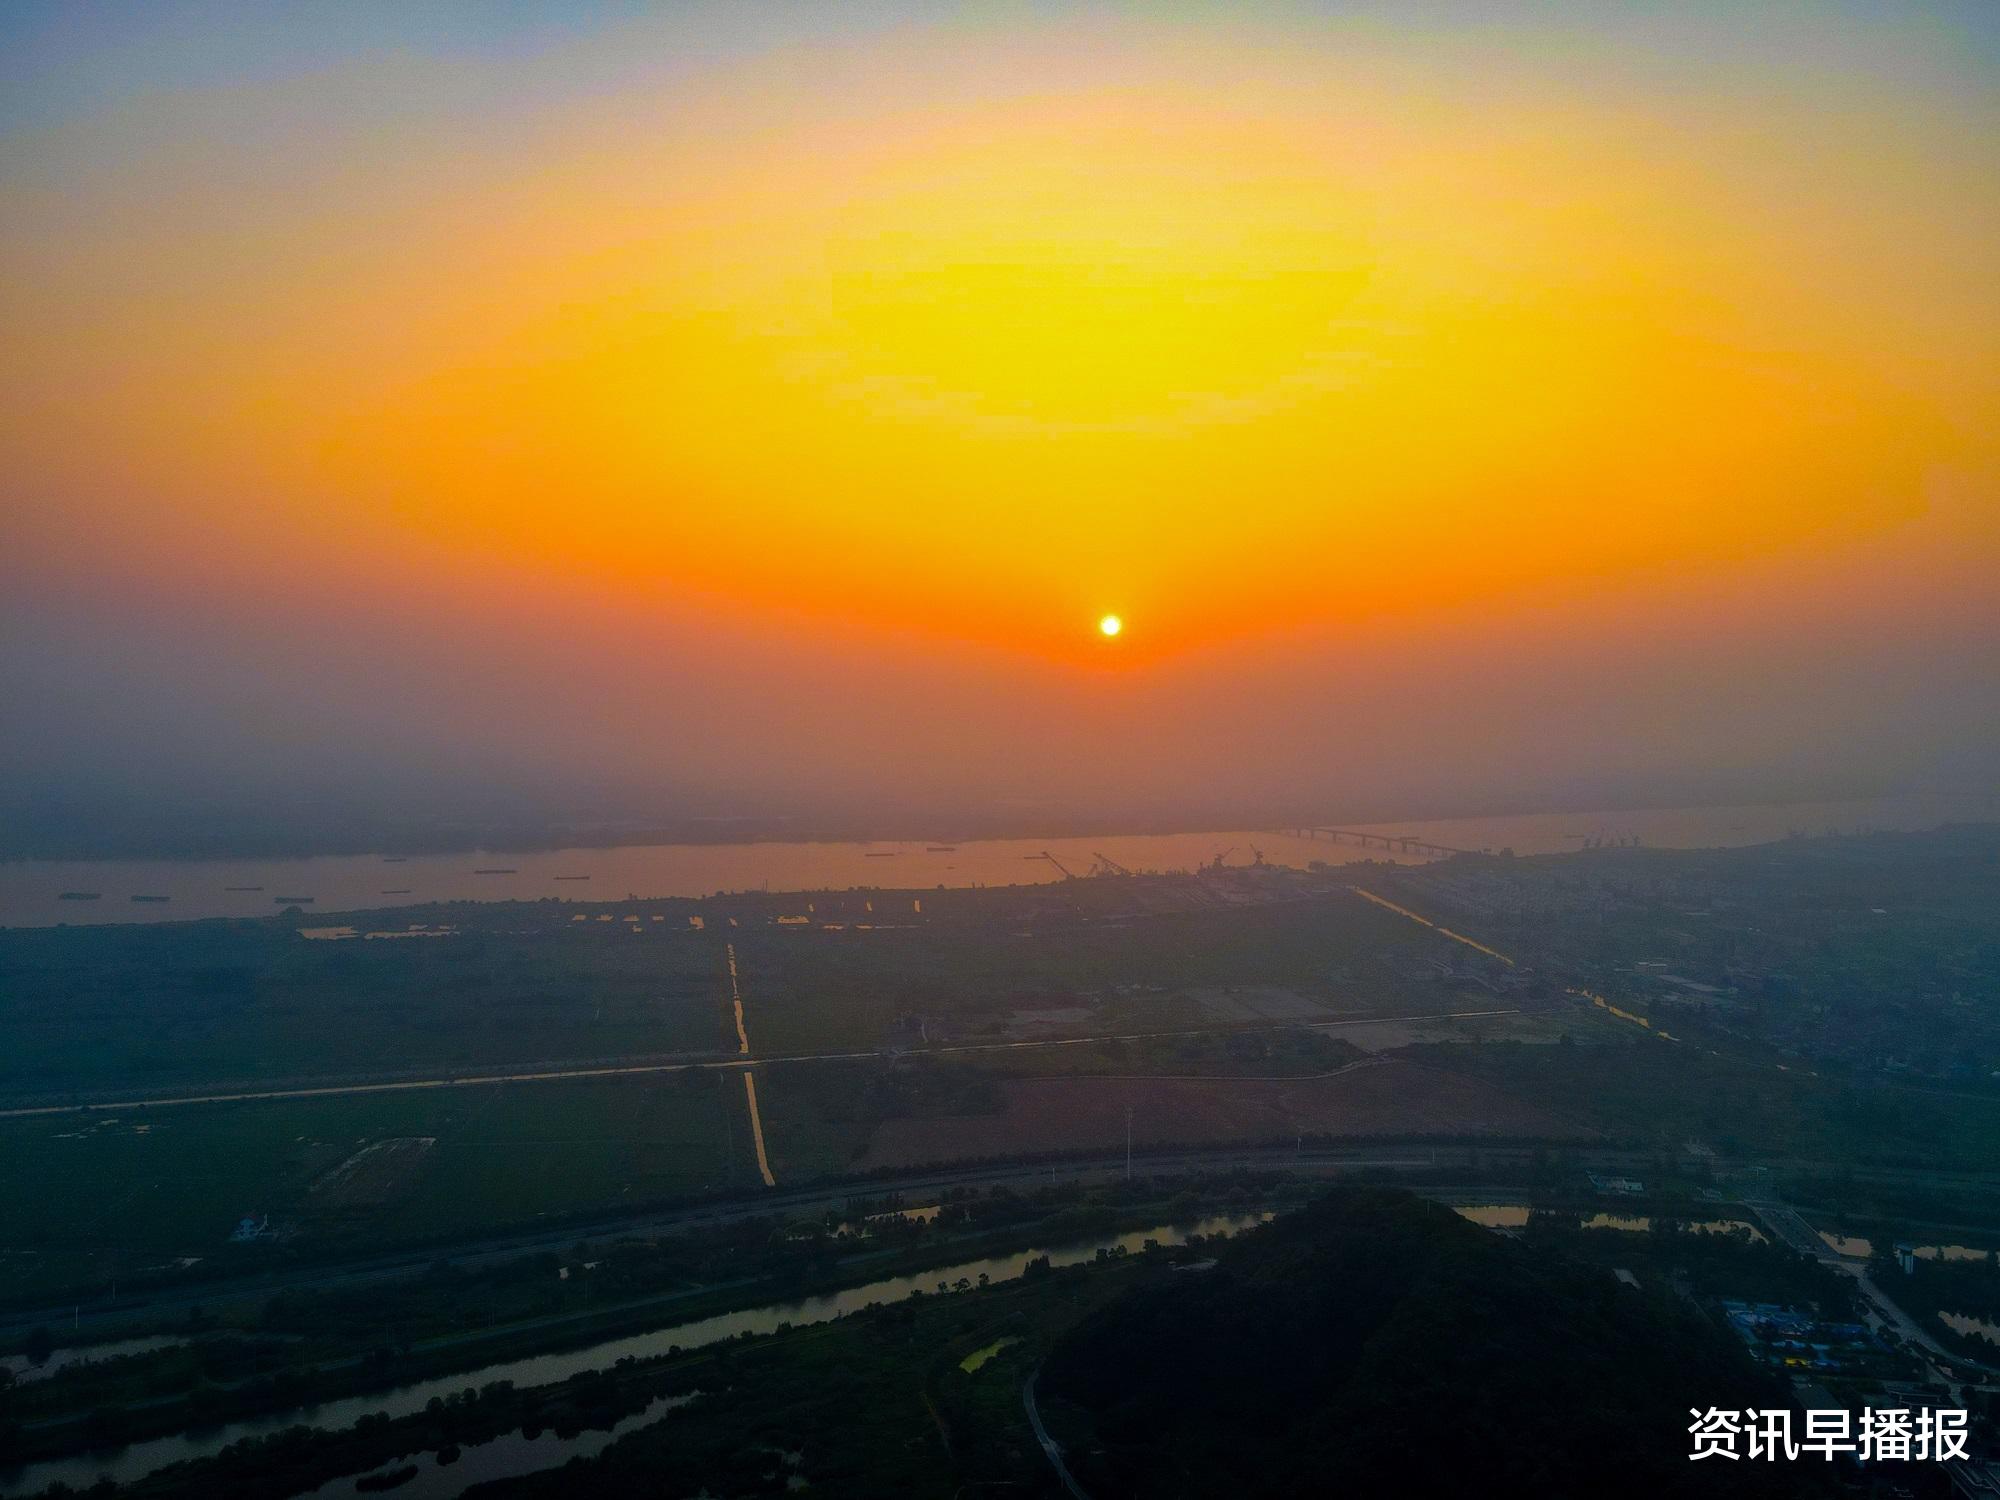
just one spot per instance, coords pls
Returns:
(793, 1202)
(836, 1193)
(740, 1061)
(1788, 1225)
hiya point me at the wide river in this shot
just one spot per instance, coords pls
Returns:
(31, 891)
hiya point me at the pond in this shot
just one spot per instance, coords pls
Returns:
(1515, 1216)
(1971, 1328)
(1859, 1247)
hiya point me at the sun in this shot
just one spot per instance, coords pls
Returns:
(1110, 625)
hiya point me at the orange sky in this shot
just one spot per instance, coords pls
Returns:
(1285, 339)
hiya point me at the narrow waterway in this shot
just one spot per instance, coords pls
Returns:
(1860, 1247)
(1516, 1215)
(505, 1457)
(140, 1459)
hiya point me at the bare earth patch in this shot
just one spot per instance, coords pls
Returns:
(375, 1174)
(1081, 1113)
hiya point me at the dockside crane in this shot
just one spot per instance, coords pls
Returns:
(1067, 872)
(1111, 866)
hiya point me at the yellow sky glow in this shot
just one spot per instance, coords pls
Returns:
(1324, 341)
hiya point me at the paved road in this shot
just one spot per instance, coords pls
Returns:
(1049, 1445)
(701, 1064)
(794, 1201)
(488, 1249)
(1787, 1224)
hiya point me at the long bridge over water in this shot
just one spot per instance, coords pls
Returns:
(1393, 843)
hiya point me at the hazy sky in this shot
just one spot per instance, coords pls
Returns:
(1463, 405)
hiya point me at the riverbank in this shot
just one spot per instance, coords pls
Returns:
(507, 1360)
(713, 859)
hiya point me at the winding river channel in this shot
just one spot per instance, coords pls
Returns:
(515, 1454)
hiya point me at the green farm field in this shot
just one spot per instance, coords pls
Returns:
(93, 1196)
(219, 1004)
(1338, 955)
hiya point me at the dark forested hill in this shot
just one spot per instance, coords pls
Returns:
(1376, 1343)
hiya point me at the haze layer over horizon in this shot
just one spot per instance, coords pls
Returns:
(758, 408)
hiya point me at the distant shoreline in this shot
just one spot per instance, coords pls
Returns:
(89, 892)
(724, 831)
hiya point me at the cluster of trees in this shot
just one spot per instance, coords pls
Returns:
(1383, 1339)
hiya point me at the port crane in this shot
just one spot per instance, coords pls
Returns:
(1111, 866)
(1216, 863)
(1067, 872)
